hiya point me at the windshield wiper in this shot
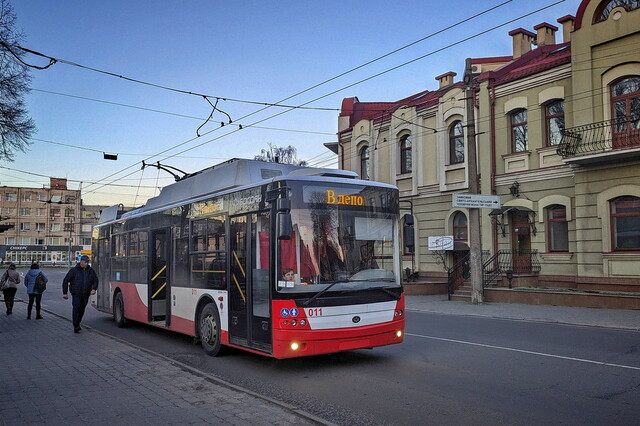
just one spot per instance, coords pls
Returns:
(320, 293)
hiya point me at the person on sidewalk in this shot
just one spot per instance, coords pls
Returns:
(82, 280)
(9, 284)
(30, 282)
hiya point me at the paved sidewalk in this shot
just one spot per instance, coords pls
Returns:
(593, 317)
(52, 376)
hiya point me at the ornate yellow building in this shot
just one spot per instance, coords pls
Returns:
(558, 140)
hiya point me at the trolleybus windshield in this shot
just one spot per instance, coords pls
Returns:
(344, 239)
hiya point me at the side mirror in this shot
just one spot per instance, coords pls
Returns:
(408, 232)
(285, 227)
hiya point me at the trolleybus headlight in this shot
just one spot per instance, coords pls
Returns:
(294, 322)
(399, 333)
(294, 346)
(303, 322)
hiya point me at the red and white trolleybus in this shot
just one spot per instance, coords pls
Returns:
(276, 259)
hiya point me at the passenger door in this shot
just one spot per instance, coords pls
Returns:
(159, 288)
(250, 313)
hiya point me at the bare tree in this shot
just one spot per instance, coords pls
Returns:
(16, 127)
(280, 154)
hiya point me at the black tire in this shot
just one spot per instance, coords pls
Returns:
(118, 310)
(209, 330)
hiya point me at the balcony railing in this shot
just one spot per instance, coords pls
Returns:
(600, 137)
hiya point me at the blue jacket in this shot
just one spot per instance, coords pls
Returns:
(80, 281)
(30, 280)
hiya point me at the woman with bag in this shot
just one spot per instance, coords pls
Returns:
(34, 293)
(9, 284)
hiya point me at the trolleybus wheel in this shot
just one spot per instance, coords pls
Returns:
(209, 329)
(118, 310)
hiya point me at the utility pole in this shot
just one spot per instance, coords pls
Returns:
(475, 254)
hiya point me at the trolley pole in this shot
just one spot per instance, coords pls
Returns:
(475, 254)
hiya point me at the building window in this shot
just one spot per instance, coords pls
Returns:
(519, 130)
(25, 241)
(69, 199)
(460, 229)
(9, 240)
(603, 11)
(41, 212)
(405, 154)
(69, 212)
(68, 227)
(9, 211)
(86, 241)
(39, 241)
(27, 198)
(9, 196)
(55, 227)
(25, 226)
(40, 226)
(42, 198)
(25, 211)
(557, 229)
(364, 163)
(456, 143)
(55, 212)
(625, 105)
(55, 241)
(625, 223)
(554, 119)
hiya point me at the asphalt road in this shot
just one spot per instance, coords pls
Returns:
(450, 370)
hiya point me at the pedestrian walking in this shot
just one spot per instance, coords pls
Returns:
(9, 285)
(32, 291)
(82, 281)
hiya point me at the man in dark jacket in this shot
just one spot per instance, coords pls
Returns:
(83, 282)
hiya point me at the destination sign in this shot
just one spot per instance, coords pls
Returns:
(342, 199)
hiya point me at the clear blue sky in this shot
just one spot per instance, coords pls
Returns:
(260, 51)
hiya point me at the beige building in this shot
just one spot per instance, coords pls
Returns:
(44, 224)
(557, 139)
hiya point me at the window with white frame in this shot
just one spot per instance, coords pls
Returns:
(41, 198)
(55, 241)
(55, 227)
(9, 240)
(25, 211)
(25, 241)
(41, 212)
(405, 154)
(25, 226)
(10, 196)
(27, 197)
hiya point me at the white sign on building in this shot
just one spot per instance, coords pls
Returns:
(444, 242)
(477, 201)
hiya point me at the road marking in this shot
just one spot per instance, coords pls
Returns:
(463, 342)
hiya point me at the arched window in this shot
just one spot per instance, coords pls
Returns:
(554, 119)
(405, 154)
(557, 229)
(519, 141)
(605, 8)
(456, 143)
(460, 229)
(625, 106)
(364, 163)
(625, 223)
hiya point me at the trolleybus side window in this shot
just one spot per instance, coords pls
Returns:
(138, 256)
(119, 257)
(208, 253)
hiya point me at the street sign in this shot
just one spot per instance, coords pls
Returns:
(477, 201)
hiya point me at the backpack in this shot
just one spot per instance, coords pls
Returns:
(41, 283)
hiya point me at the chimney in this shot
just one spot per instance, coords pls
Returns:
(567, 27)
(546, 34)
(522, 40)
(446, 79)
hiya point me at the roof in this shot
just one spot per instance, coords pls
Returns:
(541, 59)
